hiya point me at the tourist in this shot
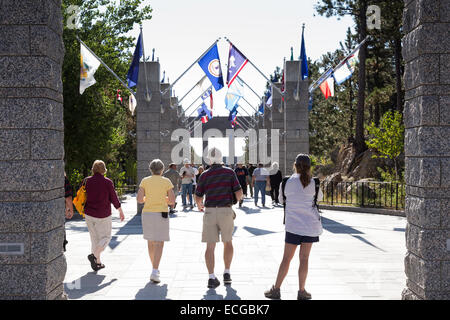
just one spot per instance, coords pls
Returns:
(187, 174)
(303, 225)
(250, 169)
(260, 180)
(174, 177)
(200, 170)
(100, 194)
(242, 174)
(156, 192)
(217, 184)
(275, 181)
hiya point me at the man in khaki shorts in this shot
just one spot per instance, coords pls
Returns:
(217, 184)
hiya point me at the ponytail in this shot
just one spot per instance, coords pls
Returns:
(304, 171)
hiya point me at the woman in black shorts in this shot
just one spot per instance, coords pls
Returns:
(303, 225)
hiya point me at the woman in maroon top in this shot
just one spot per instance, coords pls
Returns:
(100, 194)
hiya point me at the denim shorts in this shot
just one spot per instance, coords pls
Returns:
(297, 239)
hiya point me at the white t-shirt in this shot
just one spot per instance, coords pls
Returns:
(301, 217)
(190, 175)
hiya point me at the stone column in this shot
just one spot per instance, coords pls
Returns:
(148, 116)
(426, 50)
(297, 120)
(32, 263)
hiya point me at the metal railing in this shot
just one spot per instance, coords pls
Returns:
(372, 194)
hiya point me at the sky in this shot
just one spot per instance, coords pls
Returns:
(264, 31)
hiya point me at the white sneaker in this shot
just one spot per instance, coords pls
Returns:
(155, 278)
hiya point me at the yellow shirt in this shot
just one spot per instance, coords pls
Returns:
(156, 188)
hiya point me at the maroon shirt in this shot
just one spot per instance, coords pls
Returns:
(100, 194)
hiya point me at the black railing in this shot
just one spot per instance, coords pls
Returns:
(373, 194)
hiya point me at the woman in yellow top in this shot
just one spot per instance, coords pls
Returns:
(156, 192)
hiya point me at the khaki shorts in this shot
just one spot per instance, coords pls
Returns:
(155, 227)
(218, 221)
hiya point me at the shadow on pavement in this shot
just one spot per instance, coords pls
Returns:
(90, 283)
(211, 294)
(340, 228)
(152, 292)
(250, 210)
(258, 232)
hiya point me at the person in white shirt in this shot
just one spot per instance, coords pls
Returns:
(187, 174)
(303, 224)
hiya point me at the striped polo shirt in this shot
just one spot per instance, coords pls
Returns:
(217, 184)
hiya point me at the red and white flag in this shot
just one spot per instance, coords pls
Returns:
(327, 87)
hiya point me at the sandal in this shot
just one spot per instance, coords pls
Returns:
(99, 266)
(93, 260)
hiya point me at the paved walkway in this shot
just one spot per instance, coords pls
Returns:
(359, 256)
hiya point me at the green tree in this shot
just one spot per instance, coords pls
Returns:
(96, 125)
(388, 138)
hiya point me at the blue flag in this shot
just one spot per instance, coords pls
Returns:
(236, 61)
(210, 64)
(235, 92)
(233, 116)
(203, 111)
(133, 72)
(304, 59)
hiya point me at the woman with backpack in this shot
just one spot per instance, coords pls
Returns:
(303, 223)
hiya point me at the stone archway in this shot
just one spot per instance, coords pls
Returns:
(31, 138)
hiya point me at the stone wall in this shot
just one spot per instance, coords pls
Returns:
(32, 144)
(426, 50)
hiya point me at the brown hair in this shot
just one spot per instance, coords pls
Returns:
(99, 167)
(302, 166)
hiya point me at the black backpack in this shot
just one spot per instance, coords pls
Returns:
(315, 204)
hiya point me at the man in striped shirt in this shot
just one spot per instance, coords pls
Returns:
(217, 184)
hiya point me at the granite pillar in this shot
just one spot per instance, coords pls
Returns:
(32, 263)
(426, 51)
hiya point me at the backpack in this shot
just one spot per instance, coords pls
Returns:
(315, 204)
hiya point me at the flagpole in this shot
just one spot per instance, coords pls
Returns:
(210, 87)
(249, 104)
(206, 51)
(179, 101)
(313, 86)
(270, 82)
(248, 86)
(250, 123)
(104, 64)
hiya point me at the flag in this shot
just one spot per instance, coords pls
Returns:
(342, 73)
(304, 59)
(235, 92)
(327, 87)
(133, 72)
(88, 65)
(261, 108)
(283, 87)
(210, 64)
(269, 99)
(203, 113)
(119, 97)
(208, 94)
(233, 116)
(236, 61)
(353, 60)
(131, 103)
(164, 77)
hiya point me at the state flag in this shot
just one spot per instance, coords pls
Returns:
(327, 87)
(236, 61)
(342, 73)
(210, 64)
(235, 92)
(133, 72)
(88, 66)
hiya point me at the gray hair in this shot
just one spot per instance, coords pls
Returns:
(156, 167)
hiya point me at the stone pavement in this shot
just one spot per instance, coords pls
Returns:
(359, 256)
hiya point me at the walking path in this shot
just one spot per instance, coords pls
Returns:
(359, 256)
